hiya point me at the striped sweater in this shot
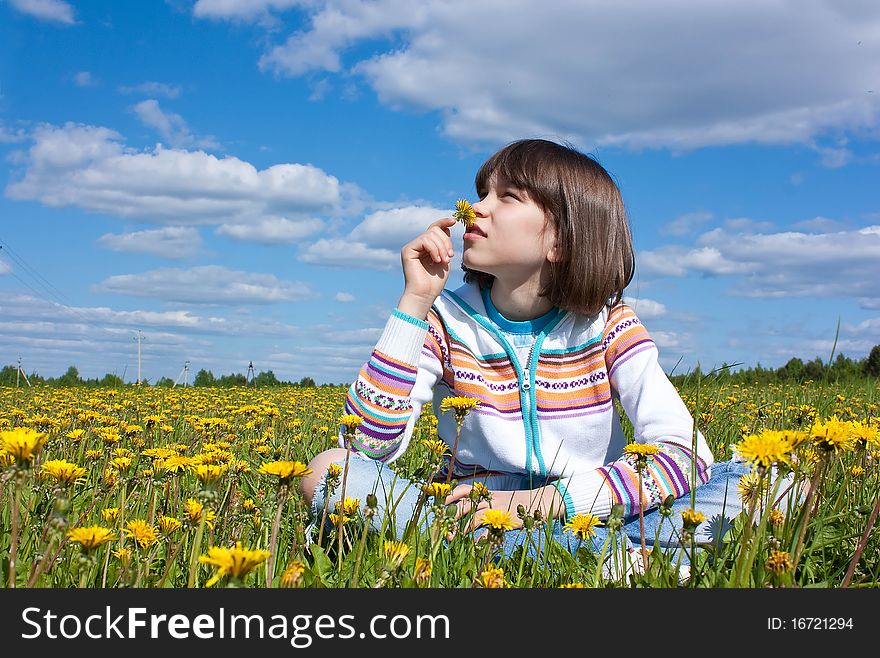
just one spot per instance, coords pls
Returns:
(549, 420)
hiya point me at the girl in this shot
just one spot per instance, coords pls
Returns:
(539, 335)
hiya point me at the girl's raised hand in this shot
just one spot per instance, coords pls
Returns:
(425, 263)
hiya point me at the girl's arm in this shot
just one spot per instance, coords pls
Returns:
(394, 384)
(408, 359)
(659, 417)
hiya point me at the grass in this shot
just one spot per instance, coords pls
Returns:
(829, 542)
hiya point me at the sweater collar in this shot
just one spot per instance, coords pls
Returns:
(532, 327)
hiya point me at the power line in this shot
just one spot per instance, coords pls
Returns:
(51, 290)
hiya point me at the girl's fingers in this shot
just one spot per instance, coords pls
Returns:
(459, 492)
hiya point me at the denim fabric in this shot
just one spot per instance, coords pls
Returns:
(717, 499)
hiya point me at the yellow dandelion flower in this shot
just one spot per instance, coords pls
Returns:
(350, 421)
(436, 447)
(76, 435)
(692, 518)
(776, 517)
(63, 472)
(91, 537)
(293, 574)
(235, 562)
(423, 571)
(833, 435)
(285, 470)
(583, 525)
(751, 487)
(168, 524)
(778, 562)
(334, 470)
(460, 404)
(337, 520)
(142, 532)
(493, 578)
(437, 489)
(497, 519)
(6, 459)
(22, 443)
(94, 454)
(351, 505)
(765, 449)
(573, 586)
(464, 212)
(110, 477)
(121, 463)
(193, 513)
(642, 450)
(248, 505)
(110, 514)
(395, 553)
(122, 554)
(480, 492)
(211, 473)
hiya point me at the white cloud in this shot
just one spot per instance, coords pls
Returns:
(342, 253)
(272, 230)
(646, 309)
(683, 74)
(170, 126)
(366, 336)
(820, 225)
(208, 284)
(151, 88)
(55, 11)
(105, 321)
(89, 167)
(242, 10)
(841, 264)
(685, 224)
(340, 296)
(171, 242)
(9, 137)
(5, 267)
(376, 242)
(84, 79)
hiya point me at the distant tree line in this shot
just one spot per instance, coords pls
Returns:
(10, 376)
(841, 369)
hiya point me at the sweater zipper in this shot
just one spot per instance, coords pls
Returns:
(527, 372)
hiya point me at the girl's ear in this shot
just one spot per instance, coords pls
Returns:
(553, 255)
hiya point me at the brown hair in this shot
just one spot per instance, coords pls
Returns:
(593, 242)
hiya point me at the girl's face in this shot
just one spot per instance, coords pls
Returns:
(511, 238)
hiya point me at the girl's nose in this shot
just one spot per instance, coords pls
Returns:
(480, 207)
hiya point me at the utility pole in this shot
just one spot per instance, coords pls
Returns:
(22, 373)
(184, 374)
(251, 377)
(139, 338)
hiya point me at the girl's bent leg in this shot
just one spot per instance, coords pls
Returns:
(397, 497)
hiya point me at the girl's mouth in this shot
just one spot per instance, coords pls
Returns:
(474, 232)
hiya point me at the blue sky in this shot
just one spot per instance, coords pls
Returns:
(235, 178)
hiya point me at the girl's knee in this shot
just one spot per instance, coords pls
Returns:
(319, 465)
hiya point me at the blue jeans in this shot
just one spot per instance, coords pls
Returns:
(397, 498)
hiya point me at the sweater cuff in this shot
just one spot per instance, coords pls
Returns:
(403, 338)
(585, 494)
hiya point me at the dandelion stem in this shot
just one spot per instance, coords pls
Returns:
(270, 568)
(13, 542)
(806, 513)
(861, 547)
(642, 521)
(341, 511)
(454, 450)
(196, 547)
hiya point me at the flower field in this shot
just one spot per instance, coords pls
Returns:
(196, 487)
